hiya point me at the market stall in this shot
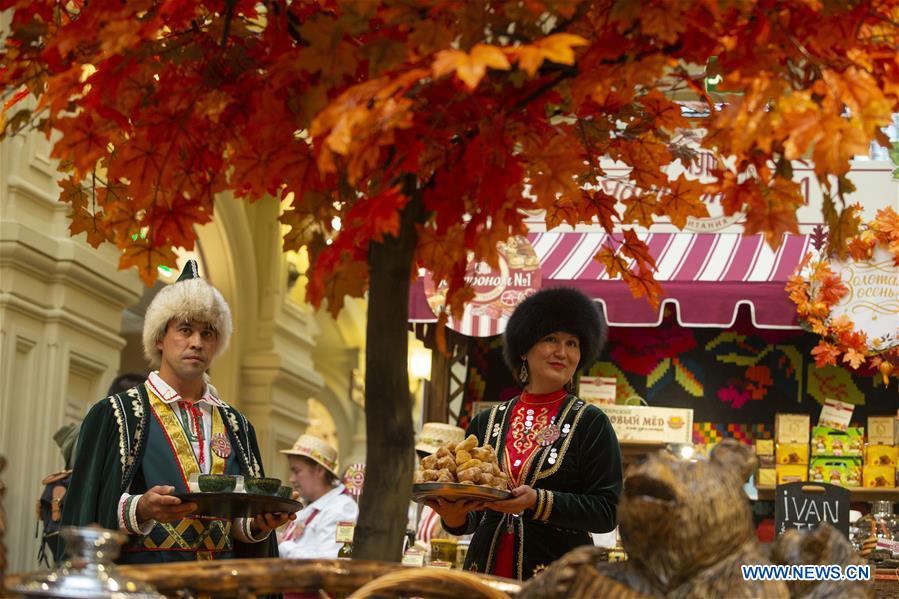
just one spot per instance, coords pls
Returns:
(726, 343)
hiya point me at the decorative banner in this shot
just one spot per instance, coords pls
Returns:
(650, 423)
(872, 301)
(496, 291)
(854, 305)
(353, 479)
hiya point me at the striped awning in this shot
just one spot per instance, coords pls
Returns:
(706, 276)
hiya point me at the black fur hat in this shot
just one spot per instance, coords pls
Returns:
(550, 310)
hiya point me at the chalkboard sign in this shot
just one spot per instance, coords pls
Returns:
(804, 505)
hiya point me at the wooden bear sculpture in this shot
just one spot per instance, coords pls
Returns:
(687, 529)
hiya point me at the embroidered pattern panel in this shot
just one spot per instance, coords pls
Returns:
(526, 423)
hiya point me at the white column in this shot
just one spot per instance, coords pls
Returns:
(61, 305)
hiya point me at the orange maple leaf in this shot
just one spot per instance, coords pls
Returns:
(372, 218)
(854, 358)
(558, 48)
(336, 271)
(83, 221)
(774, 212)
(842, 225)
(646, 155)
(857, 340)
(122, 218)
(560, 212)
(887, 222)
(682, 200)
(600, 205)
(147, 259)
(441, 251)
(350, 279)
(470, 67)
(72, 192)
(831, 289)
(640, 209)
(825, 354)
(664, 113)
(841, 325)
(173, 223)
(615, 264)
(861, 248)
(553, 169)
(84, 140)
(635, 248)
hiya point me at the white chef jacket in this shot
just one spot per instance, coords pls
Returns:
(313, 534)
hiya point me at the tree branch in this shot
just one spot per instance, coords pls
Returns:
(229, 14)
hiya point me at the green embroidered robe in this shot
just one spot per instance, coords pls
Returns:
(110, 457)
(577, 489)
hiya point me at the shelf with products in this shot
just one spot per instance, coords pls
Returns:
(766, 493)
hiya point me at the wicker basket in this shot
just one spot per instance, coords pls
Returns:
(886, 583)
(411, 581)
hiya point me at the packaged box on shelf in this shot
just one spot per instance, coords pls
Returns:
(879, 477)
(766, 477)
(791, 428)
(846, 472)
(765, 461)
(791, 473)
(791, 453)
(828, 441)
(764, 446)
(881, 455)
(882, 430)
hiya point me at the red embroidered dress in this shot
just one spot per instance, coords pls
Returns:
(531, 415)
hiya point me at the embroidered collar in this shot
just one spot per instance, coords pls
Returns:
(541, 399)
(168, 395)
(320, 503)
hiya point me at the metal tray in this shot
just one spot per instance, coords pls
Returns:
(422, 492)
(235, 505)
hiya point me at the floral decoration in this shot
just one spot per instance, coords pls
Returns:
(816, 289)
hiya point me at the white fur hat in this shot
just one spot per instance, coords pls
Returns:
(189, 298)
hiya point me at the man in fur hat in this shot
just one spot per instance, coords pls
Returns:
(140, 447)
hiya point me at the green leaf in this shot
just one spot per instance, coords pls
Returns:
(894, 153)
(833, 382)
(687, 380)
(653, 377)
(795, 358)
(724, 338)
(739, 360)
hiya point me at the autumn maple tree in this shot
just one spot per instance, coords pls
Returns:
(429, 126)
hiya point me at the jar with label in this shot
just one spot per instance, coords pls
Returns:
(876, 533)
(345, 533)
(443, 550)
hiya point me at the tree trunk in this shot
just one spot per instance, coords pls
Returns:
(390, 447)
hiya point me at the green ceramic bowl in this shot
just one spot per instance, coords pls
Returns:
(216, 483)
(285, 491)
(262, 486)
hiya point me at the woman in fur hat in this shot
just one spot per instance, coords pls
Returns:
(561, 455)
